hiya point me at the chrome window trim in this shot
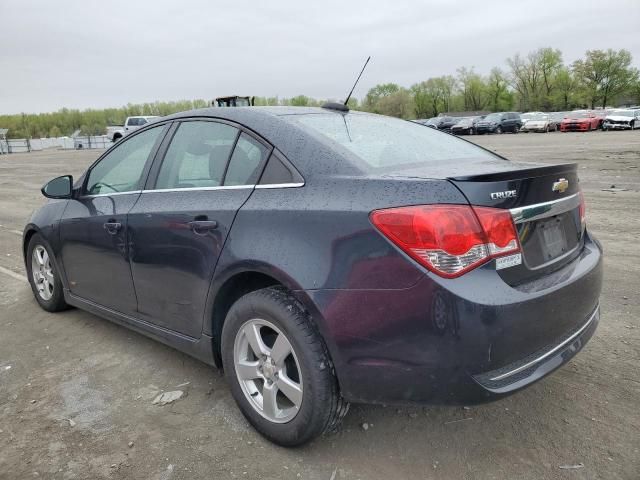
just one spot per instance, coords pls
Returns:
(110, 194)
(595, 313)
(194, 189)
(545, 209)
(223, 187)
(281, 185)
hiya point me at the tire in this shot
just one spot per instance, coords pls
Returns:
(498, 129)
(546, 129)
(313, 405)
(43, 275)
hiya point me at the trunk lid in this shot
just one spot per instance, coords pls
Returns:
(544, 201)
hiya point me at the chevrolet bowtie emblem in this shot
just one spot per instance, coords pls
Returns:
(560, 186)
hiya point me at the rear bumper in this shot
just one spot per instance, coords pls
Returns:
(453, 341)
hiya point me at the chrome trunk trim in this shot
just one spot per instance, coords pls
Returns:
(545, 209)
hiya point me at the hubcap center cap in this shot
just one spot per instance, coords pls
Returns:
(269, 369)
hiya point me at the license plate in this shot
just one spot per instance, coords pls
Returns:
(555, 241)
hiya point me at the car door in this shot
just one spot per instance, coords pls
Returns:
(179, 225)
(93, 228)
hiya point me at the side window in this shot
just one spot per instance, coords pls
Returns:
(121, 170)
(197, 156)
(279, 171)
(246, 162)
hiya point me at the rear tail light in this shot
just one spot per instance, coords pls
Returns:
(449, 240)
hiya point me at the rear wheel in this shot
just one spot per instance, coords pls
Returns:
(43, 276)
(279, 368)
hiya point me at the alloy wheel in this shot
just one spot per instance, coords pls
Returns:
(268, 370)
(42, 272)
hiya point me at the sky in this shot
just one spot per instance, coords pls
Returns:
(86, 54)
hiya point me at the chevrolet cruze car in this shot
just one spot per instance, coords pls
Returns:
(322, 256)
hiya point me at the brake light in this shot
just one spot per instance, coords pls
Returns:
(582, 210)
(449, 240)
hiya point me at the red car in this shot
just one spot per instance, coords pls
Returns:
(581, 121)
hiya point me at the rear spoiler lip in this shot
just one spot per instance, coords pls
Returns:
(518, 174)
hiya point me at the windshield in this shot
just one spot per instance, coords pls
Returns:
(493, 117)
(389, 143)
(578, 115)
(622, 113)
(539, 116)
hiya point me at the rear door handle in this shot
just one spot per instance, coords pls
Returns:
(203, 226)
(112, 227)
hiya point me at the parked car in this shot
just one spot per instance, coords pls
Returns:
(428, 122)
(622, 119)
(465, 126)
(131, 124)
(323, 257)
(446, 123)
(542, 122)
(499, 123)
(580, 121)
(525, 117)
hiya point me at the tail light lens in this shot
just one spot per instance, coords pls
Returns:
(583, 210)
(449, 240)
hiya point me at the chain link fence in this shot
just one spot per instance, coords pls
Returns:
(22, 145)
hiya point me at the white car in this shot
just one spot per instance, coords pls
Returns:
(525, 117)
(622, 119)
(542, 122)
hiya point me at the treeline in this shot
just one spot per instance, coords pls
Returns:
(538, 81)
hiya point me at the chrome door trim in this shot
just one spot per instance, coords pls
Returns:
(281, 185)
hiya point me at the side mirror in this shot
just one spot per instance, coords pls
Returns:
(61, 187)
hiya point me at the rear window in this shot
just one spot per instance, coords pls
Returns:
(385, 143)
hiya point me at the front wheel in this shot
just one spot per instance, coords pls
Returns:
(279, 368)
(499, 130)
(43, 276)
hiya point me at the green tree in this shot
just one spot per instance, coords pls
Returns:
(473, 89)
(398, 104)
(499, 96)
(299, 101)
(604, 75)
(378, 92)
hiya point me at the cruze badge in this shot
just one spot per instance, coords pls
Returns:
(503, 195)
(560, 186)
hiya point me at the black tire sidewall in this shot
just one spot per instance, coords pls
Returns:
(56, 303)
(317, 378)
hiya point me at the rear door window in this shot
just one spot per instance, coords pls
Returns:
(246, 162)
(198, 155)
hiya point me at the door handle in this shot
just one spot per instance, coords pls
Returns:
(112, 227)
(203, 226)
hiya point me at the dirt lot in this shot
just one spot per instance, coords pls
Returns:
(79, 389)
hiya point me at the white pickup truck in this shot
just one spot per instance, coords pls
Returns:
(116, 132)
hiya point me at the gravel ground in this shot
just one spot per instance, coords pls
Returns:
(76, 391)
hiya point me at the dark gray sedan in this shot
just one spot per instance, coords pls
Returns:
(323, 257)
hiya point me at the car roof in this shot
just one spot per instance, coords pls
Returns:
(315, 155)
